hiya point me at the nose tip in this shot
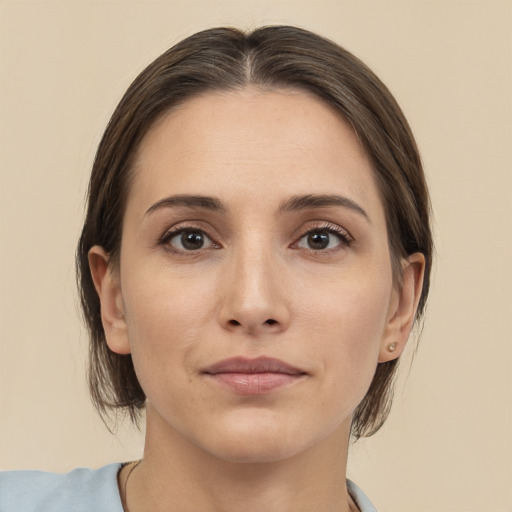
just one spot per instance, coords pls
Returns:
(253, 302)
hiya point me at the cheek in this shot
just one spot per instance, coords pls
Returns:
(350, 319)
(161, 298)
(165, 317)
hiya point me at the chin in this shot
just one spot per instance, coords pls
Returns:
(254, 451)
(260, 441)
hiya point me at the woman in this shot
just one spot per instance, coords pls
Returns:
(255, 253)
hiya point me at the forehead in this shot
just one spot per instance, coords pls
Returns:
(245, 118)
(272, 142)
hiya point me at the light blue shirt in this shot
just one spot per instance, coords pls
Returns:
(84, 490)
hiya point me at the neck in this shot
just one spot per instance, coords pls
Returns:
(175, 471)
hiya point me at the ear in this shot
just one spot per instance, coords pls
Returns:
(106, 282)
(403, 305)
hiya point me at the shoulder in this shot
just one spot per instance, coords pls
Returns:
(360, 498)
(79, 490)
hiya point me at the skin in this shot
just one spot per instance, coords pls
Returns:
(256, 287)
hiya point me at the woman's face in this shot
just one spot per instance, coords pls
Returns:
(254, 291)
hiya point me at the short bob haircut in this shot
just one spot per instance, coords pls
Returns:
(273, 57)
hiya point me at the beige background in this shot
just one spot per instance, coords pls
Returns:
(63, 67)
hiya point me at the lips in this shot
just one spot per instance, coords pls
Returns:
(252, 366)
(253, 376)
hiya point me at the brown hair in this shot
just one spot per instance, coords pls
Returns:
(268, 57)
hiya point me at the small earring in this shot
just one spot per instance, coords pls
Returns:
(392, 346)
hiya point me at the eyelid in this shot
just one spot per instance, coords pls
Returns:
(345, 237)
(343, 234)
(327, 225)
(187, 226)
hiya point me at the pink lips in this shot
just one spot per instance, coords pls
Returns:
(253, 376)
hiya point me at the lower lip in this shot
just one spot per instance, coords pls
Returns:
(255, 383)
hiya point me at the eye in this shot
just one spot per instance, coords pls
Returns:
(323, 239)
(186, 240)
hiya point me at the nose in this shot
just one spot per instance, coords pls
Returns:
(254, 295)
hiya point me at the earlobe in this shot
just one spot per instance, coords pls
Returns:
(403, 308)
(106, 282)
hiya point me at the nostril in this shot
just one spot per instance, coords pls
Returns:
(236, 323)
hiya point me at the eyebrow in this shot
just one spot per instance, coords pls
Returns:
(310, 201)
(295, 203)
(188, 201)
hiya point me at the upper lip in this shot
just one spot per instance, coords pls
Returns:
(258, 365)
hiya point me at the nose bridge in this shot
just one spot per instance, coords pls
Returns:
(253, 299)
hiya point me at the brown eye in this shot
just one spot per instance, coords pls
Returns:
(189, 240)
(192, 240)
(322, 239)
(319, 240)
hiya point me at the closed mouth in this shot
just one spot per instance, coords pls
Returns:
(252, 377)
(244, 365)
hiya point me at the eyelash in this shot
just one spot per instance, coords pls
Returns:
(179, 230)
(333, 229)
